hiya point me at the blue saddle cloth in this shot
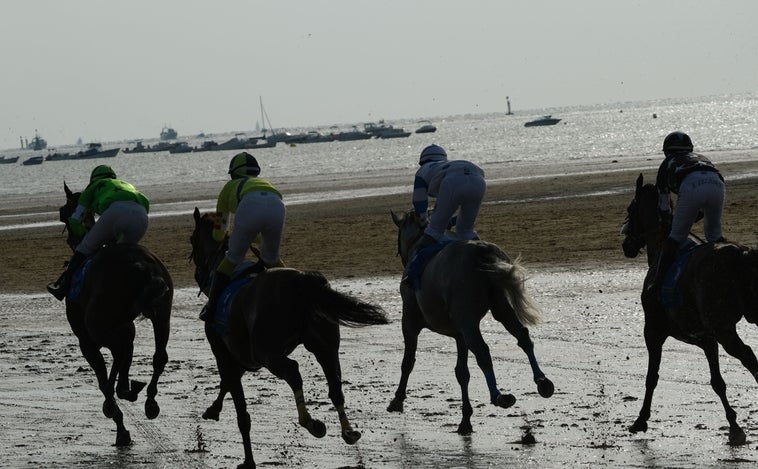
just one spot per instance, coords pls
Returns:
(418, 263)
(240, 278)
(671, 296)
(77, 280)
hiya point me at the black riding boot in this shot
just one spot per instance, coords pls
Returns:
(665, 259)
(60, 288)
(218, 285)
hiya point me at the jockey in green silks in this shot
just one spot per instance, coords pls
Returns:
(122, 211)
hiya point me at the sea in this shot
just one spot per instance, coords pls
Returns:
(587, 138)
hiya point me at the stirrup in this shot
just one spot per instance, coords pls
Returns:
(58, 291)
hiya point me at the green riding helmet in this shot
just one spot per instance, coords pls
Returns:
(102, 172)
(244, 164)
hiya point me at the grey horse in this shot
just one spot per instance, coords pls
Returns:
(456, 289)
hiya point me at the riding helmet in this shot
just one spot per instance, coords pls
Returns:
(244, 164)
(677, 142)
(102, 172)
(432, 153)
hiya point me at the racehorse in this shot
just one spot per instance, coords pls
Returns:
(122, 282)
(457, 288)
(271, 315)
(717, 287)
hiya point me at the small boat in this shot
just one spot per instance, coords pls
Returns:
(59, 156)
(544, 120)
(311, 136)
(181, 147)
(168, 133)
(352, 134)
(394, 133)
(33, 160)
(95, 150)
(8, 159)
(37, 143)
(426, 128)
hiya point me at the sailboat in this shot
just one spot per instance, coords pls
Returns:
(274, 137)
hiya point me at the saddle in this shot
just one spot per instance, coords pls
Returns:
(241, 276)
(671, 296)
(422, 257)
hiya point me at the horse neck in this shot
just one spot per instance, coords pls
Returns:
(653, 247)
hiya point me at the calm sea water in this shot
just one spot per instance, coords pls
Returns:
(498, 142)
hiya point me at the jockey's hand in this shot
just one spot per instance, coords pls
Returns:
(219, 235)
(422, 219)
(76, 227)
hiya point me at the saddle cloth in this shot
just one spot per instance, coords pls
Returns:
(240, 278)
(671, 296)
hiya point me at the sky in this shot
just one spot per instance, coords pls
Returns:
(100, 70)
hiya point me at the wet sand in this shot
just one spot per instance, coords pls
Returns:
(567, 231)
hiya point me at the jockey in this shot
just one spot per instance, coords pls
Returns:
(700, 190)
(122, 211)
(456, 185)
(259, 211)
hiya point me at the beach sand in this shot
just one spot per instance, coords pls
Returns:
(549, 221)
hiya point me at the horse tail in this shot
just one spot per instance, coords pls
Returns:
(336, 307)
(510, 278)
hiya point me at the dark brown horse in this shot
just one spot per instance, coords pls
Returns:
(270, 316)
(718, 286)
(459, 285)
(123, 281)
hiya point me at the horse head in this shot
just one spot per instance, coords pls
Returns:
(409, 231)
(206, 251)
(642, 226)
(68, 209)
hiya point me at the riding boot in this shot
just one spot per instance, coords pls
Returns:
(665, 259)
(60, 288)
(410, 276)
(218, 285)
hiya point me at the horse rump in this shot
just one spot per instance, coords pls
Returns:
(334, 306)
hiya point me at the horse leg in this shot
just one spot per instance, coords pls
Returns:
(503, 312)
(736, 434)
(654, 342)
(234, 384)
(475, 342)
(463, 376)
(161, 331)
(122, 348)
(214, 410)
(288, 370)
(411, 330)
(325, 348)
(734, 346)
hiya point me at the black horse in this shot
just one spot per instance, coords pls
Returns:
(718, 286)
(123, 281)
(270, 316)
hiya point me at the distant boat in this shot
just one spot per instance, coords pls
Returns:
(8, 159)
(181, 147)
(37, 143)
(394, 133)
(59, 156)
(426, 128)
(168, 133)
(349, 135)
(95, 150)
(544, 120)
(33, 160)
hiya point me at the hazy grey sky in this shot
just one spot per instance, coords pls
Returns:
(104, 70)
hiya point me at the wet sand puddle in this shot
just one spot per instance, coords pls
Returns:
(591, 347)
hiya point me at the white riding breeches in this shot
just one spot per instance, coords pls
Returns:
(258, 213)
(700, 191)
(126, 221)
(464, 190)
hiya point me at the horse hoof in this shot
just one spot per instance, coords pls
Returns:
(737, 437)
(638, 426)
(211, 414)
(465, 428)
(109, 408)
(545, 387)
(123, 438)
(504, 400)
(395, 406)
(152, 409)
(316, 428)
(351, 436)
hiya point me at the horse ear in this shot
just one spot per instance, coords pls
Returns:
(639, 183)
(67, 190)
(197, 215)
(395, 218)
